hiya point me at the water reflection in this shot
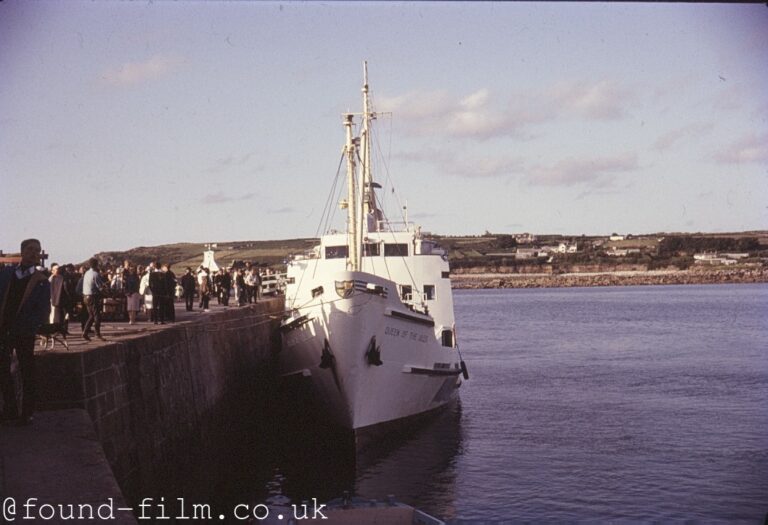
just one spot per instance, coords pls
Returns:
(417, 467)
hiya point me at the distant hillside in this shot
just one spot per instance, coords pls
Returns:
(649, 250)
(264, 253)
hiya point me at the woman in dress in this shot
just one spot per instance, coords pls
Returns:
(131, 289)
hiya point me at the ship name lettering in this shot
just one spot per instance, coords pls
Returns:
(388, 330)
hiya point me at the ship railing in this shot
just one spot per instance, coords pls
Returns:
(274, 283)
(415, 302)
(396, 226)
(310, 254)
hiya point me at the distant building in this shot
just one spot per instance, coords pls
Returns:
(712, 258)
(616, 252)
(525, 238)
(616, 237)
(9, 259)
(526, 253)
(567, 247)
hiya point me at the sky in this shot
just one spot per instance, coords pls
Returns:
(126, 124)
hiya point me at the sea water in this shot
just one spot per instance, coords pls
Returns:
(621, 404)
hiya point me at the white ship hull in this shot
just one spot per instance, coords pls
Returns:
(417, 373)
(370, 323)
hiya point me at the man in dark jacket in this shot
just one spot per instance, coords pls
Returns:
(226, 286)
(170, 294)
(25, 305)
(94, 287)
(188, 286)
(158, 285)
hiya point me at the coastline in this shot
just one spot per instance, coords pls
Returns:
(469, 281)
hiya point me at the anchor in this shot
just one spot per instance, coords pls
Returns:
(328, 360)
(373, 354)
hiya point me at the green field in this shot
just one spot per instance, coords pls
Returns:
(465, 251)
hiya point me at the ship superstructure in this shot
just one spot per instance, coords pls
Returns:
(371, 322)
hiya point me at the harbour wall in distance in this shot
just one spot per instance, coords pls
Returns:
(163, 403)
(627, 277)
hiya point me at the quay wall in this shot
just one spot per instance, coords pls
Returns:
(622, 278)
(159, 400)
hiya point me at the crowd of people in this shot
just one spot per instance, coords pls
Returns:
(33, 298)
(80, 294)
(151, 290)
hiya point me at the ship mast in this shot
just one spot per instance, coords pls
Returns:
(365, 143)
(352, 227)
(362, 212)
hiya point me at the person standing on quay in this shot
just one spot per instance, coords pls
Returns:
(226, 286)
(58, 294)
(242, 293)
(218, 287)
(251, 283)
(157, 285)
(83, 311)
(93, 289)
(205, 287)
(132, 296)
(188, 285)
(25, 305)
(169, 305)
(71, 278)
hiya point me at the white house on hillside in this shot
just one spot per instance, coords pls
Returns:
(526, 253)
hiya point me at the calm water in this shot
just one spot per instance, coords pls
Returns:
(588, 404)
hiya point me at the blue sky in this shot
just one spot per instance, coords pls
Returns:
(127, 124)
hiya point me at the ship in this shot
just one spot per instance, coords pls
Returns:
(369, 321)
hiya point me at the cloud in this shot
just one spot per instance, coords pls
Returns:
(481, 115)
(751, 148)
(423, 215)
(485, 167)
(731, 98)
(603, 100)
(430, 112)
(476, 115)
(690, 131)
(220, 197)
(131, 73)
(225, 163)
(461, 164)
(597, 172)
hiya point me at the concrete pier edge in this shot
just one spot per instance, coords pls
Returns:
(116, 416)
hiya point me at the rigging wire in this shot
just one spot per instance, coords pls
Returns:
(405, 263)
(375, 139)
(329, 210)
(328, 200)
(386, 172)
(326, 210)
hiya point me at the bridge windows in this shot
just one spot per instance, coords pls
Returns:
(337, 252)
(396, 250)
(371, 249)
